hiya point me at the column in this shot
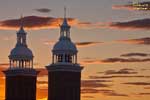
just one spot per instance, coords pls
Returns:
(52, 58)
(10, 63)
(76, 58)
(25, 63)
(32, 63)
(63, 57)
(29, 63)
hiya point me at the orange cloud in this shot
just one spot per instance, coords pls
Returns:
(40, 22)
(144, 41)
(35, 22)
(124, 7)
(139, 24)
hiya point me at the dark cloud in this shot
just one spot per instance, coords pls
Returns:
(121, 71)
(78, 44)
(115, 94)
(115, 60)
(118, 76)
(101, 91)
(35, 22)
(132, 25)
(90, 25)
(135, 54)
(143, 94)
(86, 44)
(40, 22)
(144, 41)
(43, 10)
(138, 83)
(94, 83)
(91, 90)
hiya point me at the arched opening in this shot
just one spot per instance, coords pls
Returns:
(66, 58)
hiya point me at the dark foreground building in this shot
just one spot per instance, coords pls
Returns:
(20, 76)
(64, 74)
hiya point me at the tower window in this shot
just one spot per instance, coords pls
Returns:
(60, 58)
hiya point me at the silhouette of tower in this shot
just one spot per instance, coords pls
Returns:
(21, 76)
(64, 74)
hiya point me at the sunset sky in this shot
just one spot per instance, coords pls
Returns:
(113, 42)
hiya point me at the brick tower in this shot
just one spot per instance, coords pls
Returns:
(64, 74)
(21, 76)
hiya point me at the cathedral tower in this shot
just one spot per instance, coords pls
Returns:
(21, 76)
(64, 74)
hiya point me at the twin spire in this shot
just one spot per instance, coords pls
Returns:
(64, 31)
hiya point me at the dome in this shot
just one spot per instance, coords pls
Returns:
(65, 45)
(21, 52)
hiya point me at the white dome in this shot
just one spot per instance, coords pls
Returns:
(21, 52)
(65, 44)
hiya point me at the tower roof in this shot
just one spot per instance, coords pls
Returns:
(21, 50)
(65, 45)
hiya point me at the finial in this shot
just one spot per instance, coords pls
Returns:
(21, 21)
(64, 11)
